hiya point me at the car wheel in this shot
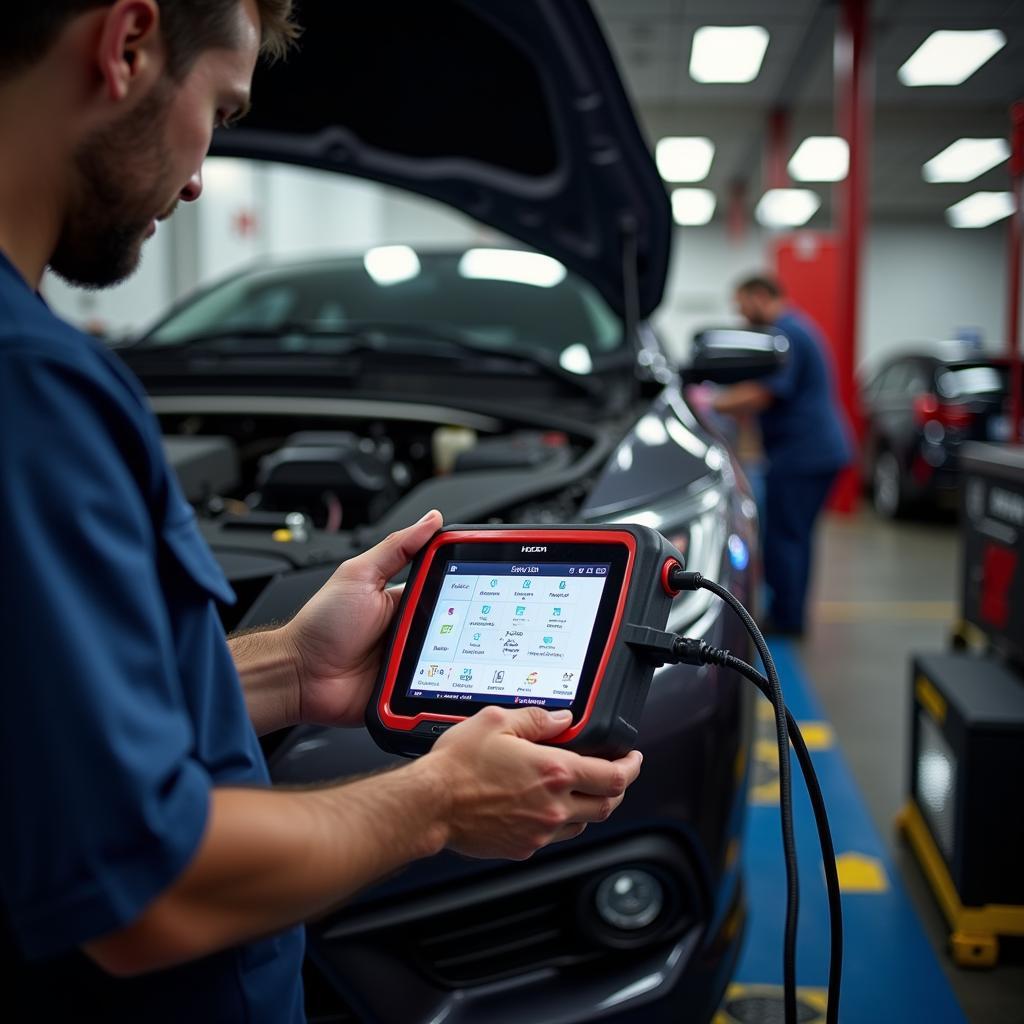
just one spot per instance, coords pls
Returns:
(887, 485)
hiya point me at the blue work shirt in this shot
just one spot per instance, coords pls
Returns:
(804, 431)
(122, 707)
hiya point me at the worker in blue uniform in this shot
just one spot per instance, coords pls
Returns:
(806, 442)
(148, 872)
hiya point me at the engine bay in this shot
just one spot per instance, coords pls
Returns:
(333, 475)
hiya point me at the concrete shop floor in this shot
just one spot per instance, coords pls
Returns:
(883, 590)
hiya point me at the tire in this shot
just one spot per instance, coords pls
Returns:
(887, 490)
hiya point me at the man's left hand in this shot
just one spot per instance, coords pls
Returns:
(336, 637)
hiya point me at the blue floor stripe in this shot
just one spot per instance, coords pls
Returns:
(890, 970)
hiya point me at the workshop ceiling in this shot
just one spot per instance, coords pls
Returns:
(652, 39)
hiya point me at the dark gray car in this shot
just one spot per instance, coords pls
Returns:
(313, 408)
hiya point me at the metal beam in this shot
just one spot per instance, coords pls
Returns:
(1014, 234)
(854, 77)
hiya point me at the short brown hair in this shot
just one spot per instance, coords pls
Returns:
(764, 283)
(189, 27)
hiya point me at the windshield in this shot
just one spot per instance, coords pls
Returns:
(504, 299)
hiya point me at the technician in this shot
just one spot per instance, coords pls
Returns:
(147, 870)
(806, 443)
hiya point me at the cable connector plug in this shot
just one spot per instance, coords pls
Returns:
(679, 579)
(658, 648)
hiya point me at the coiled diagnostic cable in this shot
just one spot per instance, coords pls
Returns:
(663, 648)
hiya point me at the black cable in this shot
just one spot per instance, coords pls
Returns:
(681, 580)
(828, 853)
(659, 647)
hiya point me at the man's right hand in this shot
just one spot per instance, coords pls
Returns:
(506, 796)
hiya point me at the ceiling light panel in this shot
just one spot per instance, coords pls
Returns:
(787, 207)
(692, 206)
(981, 209)
(684, 158)
(727, 54)
(965, 159)
(820, 158)
(949, 58)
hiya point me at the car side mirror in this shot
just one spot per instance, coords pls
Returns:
(725, 355)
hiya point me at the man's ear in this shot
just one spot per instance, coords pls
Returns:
(130, 52)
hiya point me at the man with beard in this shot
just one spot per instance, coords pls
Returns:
(147, 870)
(805, 440)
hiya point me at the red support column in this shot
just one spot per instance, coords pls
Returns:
(1013, 269)
(853, 70)
(776, 154)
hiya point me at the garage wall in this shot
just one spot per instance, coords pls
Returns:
(932, 281)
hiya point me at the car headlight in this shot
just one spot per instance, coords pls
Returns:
(696, 523)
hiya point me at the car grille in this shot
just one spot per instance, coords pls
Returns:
(529, 918)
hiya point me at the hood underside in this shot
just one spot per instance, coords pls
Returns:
(513, 113)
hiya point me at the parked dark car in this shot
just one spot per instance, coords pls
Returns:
(312, 409)
(918, 410)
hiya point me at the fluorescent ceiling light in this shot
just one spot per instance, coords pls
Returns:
(692, 206)
(965, 159)
(727, 54)
(949, 58)
(820, 158)
(980, 209)
(684, 158)
(511, 265)
(391, 264)
(787, 207)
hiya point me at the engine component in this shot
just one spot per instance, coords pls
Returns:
(334, 474)
(205, 466)
(525, 449)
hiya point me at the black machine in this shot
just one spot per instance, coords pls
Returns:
(571, 617)
(963, 819)
(519, 617)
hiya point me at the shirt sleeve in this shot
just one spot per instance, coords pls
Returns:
(102, 804)
(783, 383)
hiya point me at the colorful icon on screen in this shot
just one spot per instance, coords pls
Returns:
(531, 678)
(486, 610)
(494, 583)
(561, 584)
(476, 636)
(526, 584)
(466, 675)
(549, 639)
(567, 677)
(558, 612)
(434, 670)
(446, 629)
(520, 609)
(451, 611)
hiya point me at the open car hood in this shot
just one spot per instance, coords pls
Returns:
(512, 112)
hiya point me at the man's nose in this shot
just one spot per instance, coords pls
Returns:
(194, 189)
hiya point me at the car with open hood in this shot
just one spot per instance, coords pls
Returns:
(312, 408)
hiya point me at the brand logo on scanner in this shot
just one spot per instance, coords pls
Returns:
(533, 550)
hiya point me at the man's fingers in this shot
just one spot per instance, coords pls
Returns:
(584, 809)
(394, 553)
(596, 777)
(538, 724)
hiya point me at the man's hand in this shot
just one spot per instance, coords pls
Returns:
(505, 796)
(336, 637)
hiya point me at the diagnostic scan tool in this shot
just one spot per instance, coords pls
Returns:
(519, 617)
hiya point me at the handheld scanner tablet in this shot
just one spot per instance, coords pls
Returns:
(519, 616)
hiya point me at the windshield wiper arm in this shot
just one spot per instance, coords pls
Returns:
(467, 344)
